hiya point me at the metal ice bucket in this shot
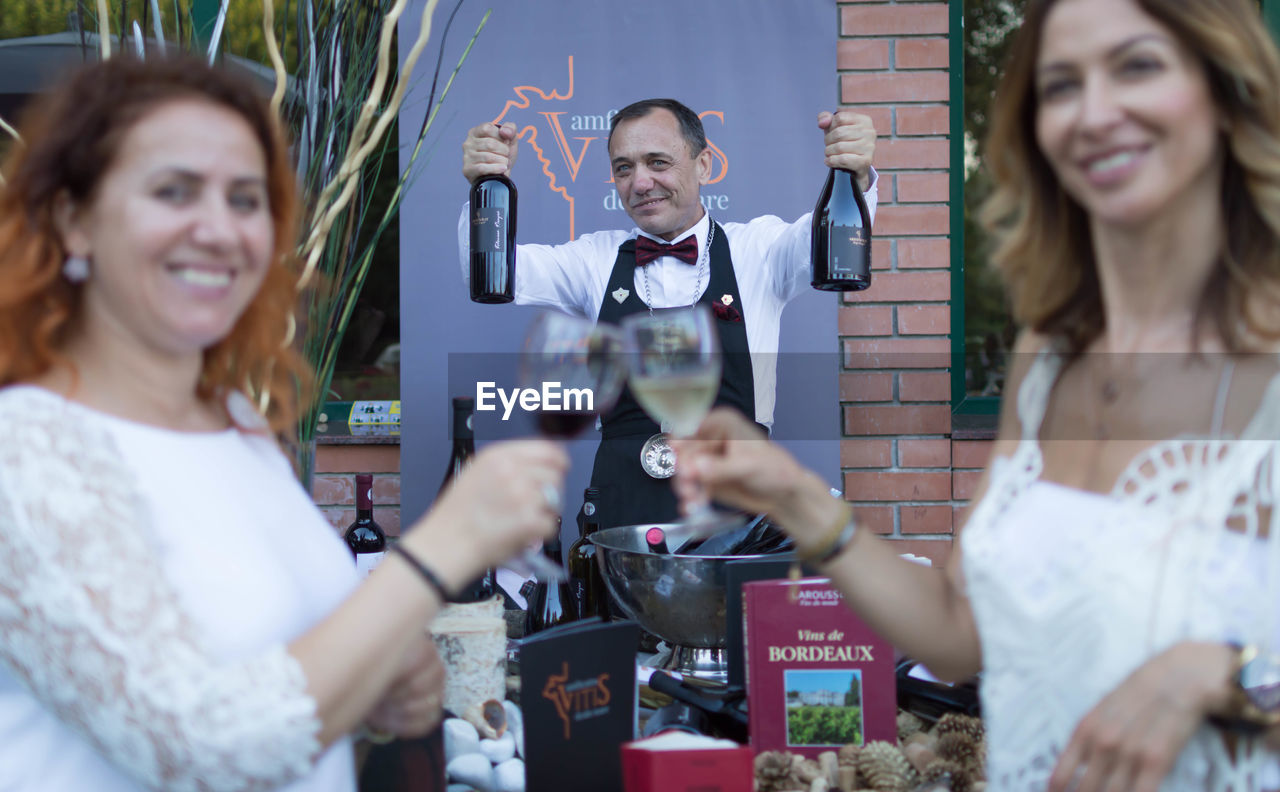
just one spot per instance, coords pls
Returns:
(679, 598)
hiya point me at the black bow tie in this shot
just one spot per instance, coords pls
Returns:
(647, 250)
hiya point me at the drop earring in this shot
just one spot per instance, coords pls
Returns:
(76, 269)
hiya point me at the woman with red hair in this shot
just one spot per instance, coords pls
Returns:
(174, 612)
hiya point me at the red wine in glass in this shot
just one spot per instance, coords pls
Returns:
(563, 424)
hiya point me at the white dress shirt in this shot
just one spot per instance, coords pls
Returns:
(770, 262)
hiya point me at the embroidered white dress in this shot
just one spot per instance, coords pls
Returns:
(1072, 591)
(149, 582)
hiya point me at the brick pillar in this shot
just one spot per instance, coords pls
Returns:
(896, 455)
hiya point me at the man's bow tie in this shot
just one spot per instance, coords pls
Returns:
(647, 250)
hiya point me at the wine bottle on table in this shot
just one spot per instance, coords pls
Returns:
(464, 448)
(584, 573)
(840, 244)
(551, 602)
(493, 239)
(365, 537)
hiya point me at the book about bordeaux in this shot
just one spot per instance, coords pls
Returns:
(817, 676)
(578, 698)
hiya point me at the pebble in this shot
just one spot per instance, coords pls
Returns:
(474, 771)
(460, 738)
(515, 725)
(510, 776)
(499, 750)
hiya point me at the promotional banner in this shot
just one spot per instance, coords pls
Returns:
(758, 72)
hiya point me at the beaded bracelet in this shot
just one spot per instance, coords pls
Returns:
(431, 578)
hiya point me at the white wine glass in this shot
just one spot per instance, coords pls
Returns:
(581, 366)
(674, 360)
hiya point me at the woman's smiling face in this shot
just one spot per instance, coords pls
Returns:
(1123, 111)
(179, 230)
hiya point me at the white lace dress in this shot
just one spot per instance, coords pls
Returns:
(1072, 591)
(149, 581)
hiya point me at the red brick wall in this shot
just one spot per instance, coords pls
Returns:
(901, 469)
(334, 485)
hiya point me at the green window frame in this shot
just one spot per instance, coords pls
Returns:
(963, 404)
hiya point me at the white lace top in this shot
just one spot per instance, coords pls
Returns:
(1072, 590)
(149, 581)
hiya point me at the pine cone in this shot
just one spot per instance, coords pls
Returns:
(806, 770)
(884, 767)
(908, 724)
(773, 771)
(940, 769)
(965, 752)
(957, 722)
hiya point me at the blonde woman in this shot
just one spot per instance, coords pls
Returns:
(1118, 578)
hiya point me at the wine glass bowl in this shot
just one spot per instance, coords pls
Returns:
(578, 368)
(674, 358)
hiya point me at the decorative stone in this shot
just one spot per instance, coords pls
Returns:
(474, 771)
(510, 776)
(472, 641)
(460, 738)
(515, 725)
(499, 750)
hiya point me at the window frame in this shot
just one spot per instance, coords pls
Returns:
(963, 404)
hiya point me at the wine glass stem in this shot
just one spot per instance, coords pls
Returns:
(543, 567)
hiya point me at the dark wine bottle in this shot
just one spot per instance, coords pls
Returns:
(584, 573)
(493, 239)
(464, 447)
(840, 246)
(552, 601)
(365, 537)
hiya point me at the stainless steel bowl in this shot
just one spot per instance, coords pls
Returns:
(679, 598)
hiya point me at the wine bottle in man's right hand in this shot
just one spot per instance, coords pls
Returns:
(493, 239)
(840, 249)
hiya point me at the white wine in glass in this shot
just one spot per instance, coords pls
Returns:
(679, 402)
(674, 358)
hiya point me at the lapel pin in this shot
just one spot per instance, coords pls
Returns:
(620, 295)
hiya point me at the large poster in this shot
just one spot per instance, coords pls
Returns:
(757, 71)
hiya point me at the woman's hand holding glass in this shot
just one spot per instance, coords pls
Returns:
(506, 500)
(730, 459)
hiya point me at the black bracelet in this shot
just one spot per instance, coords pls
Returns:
(433, 580)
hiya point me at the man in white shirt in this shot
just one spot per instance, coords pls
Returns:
(746, 272)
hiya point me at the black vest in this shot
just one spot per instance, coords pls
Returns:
(628, 495)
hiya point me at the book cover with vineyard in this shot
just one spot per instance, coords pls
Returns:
(817, 676)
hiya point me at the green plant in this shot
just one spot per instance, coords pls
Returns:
(342, 109)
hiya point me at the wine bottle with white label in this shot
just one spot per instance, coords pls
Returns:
(840, 247)
(364, 536)
(493, 239)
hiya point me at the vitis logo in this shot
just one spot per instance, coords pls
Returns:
(560, 145)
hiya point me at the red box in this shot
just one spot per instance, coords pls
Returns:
(688, 770)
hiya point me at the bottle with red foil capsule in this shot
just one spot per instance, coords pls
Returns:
(365, 537)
